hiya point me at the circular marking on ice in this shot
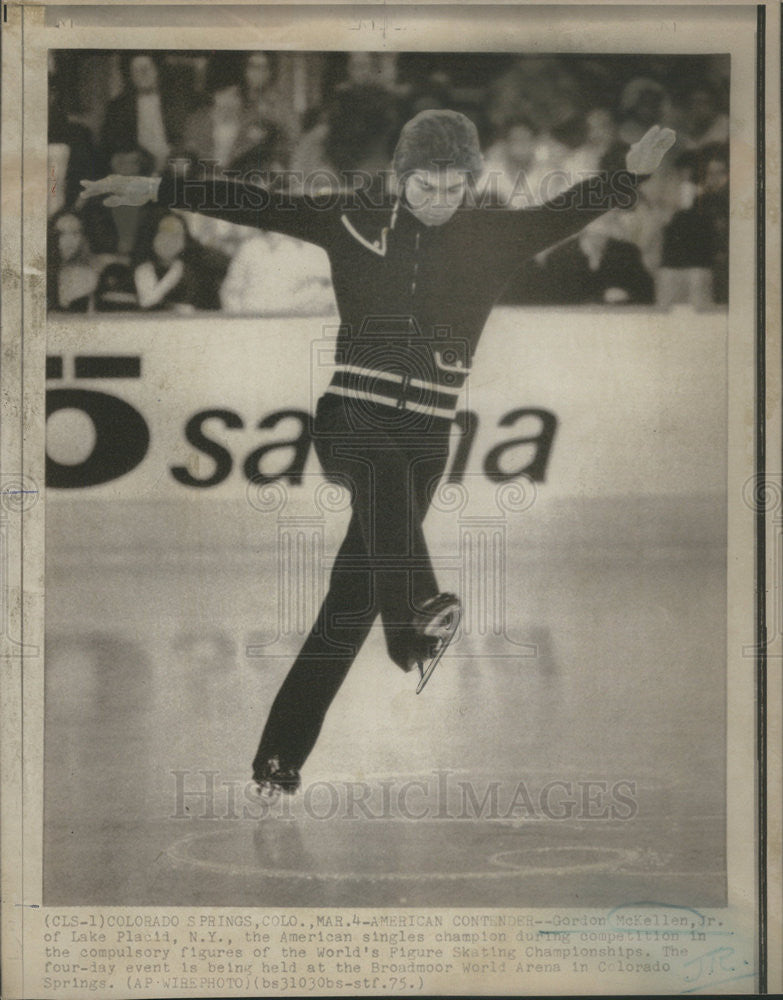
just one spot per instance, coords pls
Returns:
(231, 852)
(559, 859)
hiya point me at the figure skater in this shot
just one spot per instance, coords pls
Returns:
(415, 277)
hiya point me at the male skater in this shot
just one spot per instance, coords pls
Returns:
(415, 278)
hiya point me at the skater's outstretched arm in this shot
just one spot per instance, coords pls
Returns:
(518, 234)
(306, 218)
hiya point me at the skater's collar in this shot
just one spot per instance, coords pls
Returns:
(395, 212)
(363, 228)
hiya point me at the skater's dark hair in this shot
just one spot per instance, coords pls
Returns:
(435, 140)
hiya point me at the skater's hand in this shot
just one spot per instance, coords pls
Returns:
(122, 190)
(645, 155)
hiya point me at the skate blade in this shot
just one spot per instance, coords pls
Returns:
(427, 673)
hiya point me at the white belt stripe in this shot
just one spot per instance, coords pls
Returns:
(394, 377)
(375, 397)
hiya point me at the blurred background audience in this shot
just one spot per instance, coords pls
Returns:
(232, 129)
(308, 120)
(270, 273)
(598, 267)
(71, 268)
(148, 113)
(695, 256)
(173, 270)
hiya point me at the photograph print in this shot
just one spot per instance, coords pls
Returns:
(386, 536)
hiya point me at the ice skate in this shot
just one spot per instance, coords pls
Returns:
(435, 626)
(271, 780)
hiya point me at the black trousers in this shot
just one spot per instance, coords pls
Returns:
(391, 461)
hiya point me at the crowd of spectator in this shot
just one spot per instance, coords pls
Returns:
(300, 119)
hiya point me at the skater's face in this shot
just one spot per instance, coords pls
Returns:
(433, 196)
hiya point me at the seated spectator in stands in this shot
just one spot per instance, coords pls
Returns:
(695, 261)
(434, 93)
(353, 128)
(643, 103)
(116, 291)
(644, 99)
(72, 153)
(515, 173)
(175, 272)
(704, 124)
(227, 133)
(360, 68)
(357, 134)
(570, 136)
(216, 234)
(271, 273)
(542, 89)
(71, 270)
(603, 148)
(146, 114)
(595, 267)
(116, 230)
(259, 75)
(643, 226)
(363, 128)
(308, 155)
(58, 155)
(527, 167)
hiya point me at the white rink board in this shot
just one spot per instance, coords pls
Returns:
(639, 397)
